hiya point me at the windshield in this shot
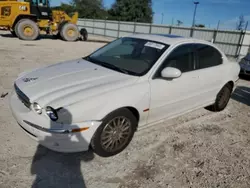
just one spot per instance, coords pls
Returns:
(39, 2)
(129, 55)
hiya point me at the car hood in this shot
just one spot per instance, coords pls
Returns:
(71, 81)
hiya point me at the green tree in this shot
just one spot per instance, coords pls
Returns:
(132, 10)
(65, 7)
(93, 9)
(199, 25)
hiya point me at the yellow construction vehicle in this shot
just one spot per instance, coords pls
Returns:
(27, 19)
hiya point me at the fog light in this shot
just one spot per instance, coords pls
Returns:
(51, 113)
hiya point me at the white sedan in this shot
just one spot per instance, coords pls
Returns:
(100, 100)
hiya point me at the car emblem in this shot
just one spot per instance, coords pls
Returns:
(29, 79)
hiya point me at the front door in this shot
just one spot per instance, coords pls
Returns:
(173, 97)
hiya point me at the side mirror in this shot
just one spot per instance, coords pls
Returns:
(170, 73)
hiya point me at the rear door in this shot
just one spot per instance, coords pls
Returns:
(173, 97)
(210, 70)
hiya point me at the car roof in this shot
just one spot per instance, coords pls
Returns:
(168, 38)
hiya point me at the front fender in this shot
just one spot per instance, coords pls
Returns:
(97, 107)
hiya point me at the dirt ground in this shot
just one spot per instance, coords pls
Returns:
(199, 149)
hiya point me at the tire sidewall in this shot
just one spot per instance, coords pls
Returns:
(96, 139)
(227, 89)
(16, 30)
(19, 32)
(64, 29)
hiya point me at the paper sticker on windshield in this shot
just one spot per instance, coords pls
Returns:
(155, 45)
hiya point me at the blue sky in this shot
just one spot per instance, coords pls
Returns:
(209, 12)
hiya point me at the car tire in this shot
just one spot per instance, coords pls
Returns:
(32, 32)
(107, 140)
(222, 99)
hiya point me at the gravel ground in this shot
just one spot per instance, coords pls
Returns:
(199, 149)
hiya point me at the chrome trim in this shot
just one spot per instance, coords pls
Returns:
(22, 97)
(54, 131)
(27, 130)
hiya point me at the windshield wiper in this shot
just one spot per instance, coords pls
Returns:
(114, 67)
(104, 64)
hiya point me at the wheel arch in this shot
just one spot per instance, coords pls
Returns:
(231, 83)
(62, 24)
(132, 109)
(24, 16)
(214, 107)
(96, 141)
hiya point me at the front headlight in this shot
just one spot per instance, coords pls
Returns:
(37, 108)
(51, 113)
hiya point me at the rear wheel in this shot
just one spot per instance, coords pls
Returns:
(27, 29)
(115, 133)
(69, 32)
(222, 99)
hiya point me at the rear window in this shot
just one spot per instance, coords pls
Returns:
(207, 56)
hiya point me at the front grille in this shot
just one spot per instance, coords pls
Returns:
(22, 97)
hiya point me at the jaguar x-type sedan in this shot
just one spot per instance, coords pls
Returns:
(100, 100)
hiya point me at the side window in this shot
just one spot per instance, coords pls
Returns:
(207, 56)
(34, 2)
(42, 2)
(181, 58)
(5, 11)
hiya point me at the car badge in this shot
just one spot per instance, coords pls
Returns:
(29, 79)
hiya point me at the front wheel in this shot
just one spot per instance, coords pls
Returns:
(115, 133)
(69, 32)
